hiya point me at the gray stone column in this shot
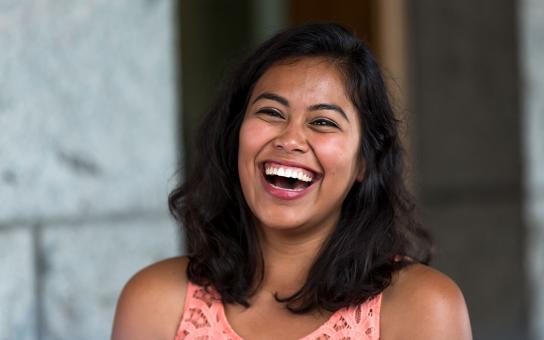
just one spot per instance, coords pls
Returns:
(87, 158)
(466, 113)
(531, 25)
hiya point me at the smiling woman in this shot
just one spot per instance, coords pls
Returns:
(300, 121)
(297, 220)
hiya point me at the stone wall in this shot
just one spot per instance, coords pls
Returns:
(87, 157)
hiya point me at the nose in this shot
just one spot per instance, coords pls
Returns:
(292, 139)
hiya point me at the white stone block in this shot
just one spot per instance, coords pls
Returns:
(86, 267)
(87, 107)
(17, 297)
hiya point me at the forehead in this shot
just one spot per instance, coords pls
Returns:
(306, 76)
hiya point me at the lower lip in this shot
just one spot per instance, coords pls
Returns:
(284, 194)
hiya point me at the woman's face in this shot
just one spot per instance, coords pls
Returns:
(299, 143)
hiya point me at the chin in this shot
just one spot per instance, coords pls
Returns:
(296, 223)
(281, 221)
(282, 224)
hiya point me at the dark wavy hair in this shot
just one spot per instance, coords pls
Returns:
(377, 225)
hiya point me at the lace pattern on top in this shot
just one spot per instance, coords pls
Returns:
(204, 319)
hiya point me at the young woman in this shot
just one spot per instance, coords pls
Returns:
(296, 216)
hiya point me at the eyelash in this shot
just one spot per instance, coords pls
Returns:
(320, 122)
(271, 112)
(324, 122)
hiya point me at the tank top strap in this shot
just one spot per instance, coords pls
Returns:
(202, 315)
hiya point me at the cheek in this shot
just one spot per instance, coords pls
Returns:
(338, 156)
(249, 139)
(253, 137)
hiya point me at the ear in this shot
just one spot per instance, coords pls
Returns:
(361, 171)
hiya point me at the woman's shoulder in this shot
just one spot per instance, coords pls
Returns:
(152, 301)
(423, 303)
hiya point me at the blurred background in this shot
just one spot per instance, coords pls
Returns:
(99, 101)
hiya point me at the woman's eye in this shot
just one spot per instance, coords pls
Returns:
(271, 112)
(324, 122)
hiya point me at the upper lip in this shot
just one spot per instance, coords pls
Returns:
(292, 164)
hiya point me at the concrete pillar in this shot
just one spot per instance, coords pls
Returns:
(466, 116)
(531, 25)
(87, 158)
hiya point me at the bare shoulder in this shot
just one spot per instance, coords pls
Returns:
(423, 303)
(152, 301)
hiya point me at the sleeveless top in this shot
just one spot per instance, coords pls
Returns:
(204, 319)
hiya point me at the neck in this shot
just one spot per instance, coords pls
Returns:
(288, 258)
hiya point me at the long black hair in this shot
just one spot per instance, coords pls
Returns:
(377, 225)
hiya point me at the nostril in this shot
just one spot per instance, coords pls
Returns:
(290, 145)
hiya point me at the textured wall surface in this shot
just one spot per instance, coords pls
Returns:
(17, 302)
(532, 54)
(85, 106)
(75, 294)
(87, 157)
(469, 154)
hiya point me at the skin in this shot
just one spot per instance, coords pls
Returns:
(421, 303)
(283, 122)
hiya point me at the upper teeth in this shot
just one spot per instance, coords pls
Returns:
(288, 172)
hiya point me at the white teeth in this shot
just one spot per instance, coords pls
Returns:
(288, 172)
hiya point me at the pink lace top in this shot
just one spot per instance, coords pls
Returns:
(204, 319)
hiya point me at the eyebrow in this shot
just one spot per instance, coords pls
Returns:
(331, 107)
(315, 107)
(271, 96)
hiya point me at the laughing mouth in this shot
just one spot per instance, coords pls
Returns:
(288, 177)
